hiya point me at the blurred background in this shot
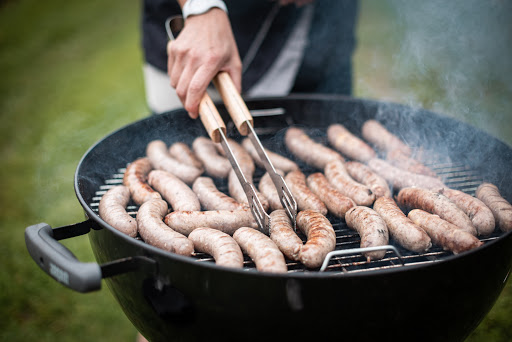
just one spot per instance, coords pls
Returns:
(70, 73)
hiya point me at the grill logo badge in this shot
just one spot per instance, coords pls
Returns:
(59, 274)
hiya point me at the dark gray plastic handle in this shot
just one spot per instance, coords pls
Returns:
(58, 261)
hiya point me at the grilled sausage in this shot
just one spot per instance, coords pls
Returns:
(400, 227)
(211, 198)
(306, 199)
(435, 203)
(236, 190)
(178, 194)
(243, 157)
(160, 159)
(112, 210)
(364, 175)
(500, 207)
(182, 153)
(156, 233)
(400, 179)
(481, 216)
(378, 135)
(262, 250)
(308, 150)
(226, 221)
(268, 189)
(278, 161)
(372, 229)
(348, 144)
(339, 178)
(337, 203)
(399, 159)
(215, 165)
(443, 233)
(221, 246)
(135, 178)
(283, 235)
(321, 238)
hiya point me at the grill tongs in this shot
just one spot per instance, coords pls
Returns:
(243, 120)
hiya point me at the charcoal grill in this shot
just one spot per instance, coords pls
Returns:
(404, 296)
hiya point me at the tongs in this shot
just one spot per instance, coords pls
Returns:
(243, 120)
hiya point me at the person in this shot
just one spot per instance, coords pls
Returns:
(269, 48)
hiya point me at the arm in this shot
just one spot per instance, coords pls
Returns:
(205, 46)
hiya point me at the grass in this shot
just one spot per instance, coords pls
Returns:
(71, 73)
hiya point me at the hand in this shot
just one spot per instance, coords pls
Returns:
(204, 47)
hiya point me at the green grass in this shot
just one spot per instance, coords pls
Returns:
(71, 73)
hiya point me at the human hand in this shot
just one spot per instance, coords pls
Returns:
(204, 47)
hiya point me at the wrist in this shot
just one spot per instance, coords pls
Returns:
(197, 7)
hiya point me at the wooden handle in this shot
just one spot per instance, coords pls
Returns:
(234, 103)
(210, 118)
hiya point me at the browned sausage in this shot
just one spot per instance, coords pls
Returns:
(237, 191)
(221, 246)
(262, 250)
(282, 233)
(500, 207)
(477, 211)
(364, 175)
(339, 178)
(112, 210)
(321, 238)
(399, 159)
(174, 191)
(400, 227)
(278, 161)
(400, 179)
(154, 232)
(160, 159)
(215, 165)
(306, 199)
(443, 233)
(182, 153)
(372, 229)
(135, 178)
(336, 202)
(378, 135)
(308, 150)
(435, 203)
(226, 221)
(243, 157)
(268, 189)
(348, 144)
(211, 198)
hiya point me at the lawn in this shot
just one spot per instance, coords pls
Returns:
(71, 73)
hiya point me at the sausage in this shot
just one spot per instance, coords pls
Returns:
(226, 221)
(268, 189)
(221, 246)
(500, 207)
(243, 157)
(159, 157)
(321, 238)
(400, 179)
(182, 153)
(400, 227)
(378, 135)
(215, 165)
(211, 198)
(372, 229)
(261, 249)
(443, 233)
(306, 199)
(364, 175)
(278, 161)
(339, 178)
(135, 178)
(308, 150)
(399, 159)
(348, 144)
(435, 203)
(237, 191)
(156, 233)
(112, 210)
(283, 235)
(481, 216)
(336, 203)
(174, 191)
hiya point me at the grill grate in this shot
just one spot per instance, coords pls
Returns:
(455, 175)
